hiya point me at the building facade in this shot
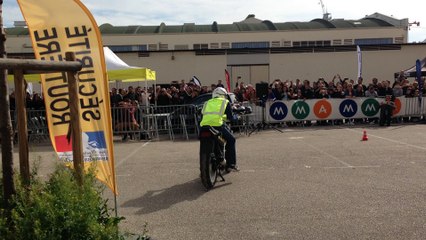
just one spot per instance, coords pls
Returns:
(257, 50)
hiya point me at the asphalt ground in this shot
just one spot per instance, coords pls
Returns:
(304, 183)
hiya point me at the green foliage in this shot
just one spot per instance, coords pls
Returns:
(59, 209)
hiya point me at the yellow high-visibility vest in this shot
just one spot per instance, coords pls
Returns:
(214, 112)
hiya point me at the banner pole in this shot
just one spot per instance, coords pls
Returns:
(115, 207)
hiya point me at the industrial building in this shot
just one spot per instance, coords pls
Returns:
(257, 50)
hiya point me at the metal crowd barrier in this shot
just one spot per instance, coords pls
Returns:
(181, 121)
(345, 110)
(414, 107)
(249, 115)
(37, 128)
(411, 109)
(152, 122)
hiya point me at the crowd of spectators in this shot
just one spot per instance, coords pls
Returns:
(178, 93)
(173, 94)
(341, 88)
(33, 101)
(337, 87)
(131, 99)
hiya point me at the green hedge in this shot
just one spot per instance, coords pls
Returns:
(58, 209)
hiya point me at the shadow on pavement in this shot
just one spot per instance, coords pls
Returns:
(156, 200)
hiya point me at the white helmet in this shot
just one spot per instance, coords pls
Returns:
(219, 92)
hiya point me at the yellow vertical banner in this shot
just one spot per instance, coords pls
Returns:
(57, 27)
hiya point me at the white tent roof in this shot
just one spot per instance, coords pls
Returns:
(117, 69)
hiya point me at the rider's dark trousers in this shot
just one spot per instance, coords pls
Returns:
(230, 153)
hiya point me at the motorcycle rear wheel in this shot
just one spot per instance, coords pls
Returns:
(208, 166)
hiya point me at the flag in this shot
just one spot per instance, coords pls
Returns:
(359, 54)
(30, 88)
(228, 80)
(196, 81)
(57, 27)
(419, 80)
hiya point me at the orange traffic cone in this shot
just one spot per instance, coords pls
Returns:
(364, 136)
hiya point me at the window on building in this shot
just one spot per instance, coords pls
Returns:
(275, 44)
(152, 47)
(128, 48)
(163, 46)
(250, 45)
(373, 41)
(287, 44)
(318, 43)
(348, 42)
(181, 47)
(337, 42)
(225, 45)
(214, 45)
(399, 40)
(198, 46)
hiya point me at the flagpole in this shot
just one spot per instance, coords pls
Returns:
(419, 81)
(359, 55)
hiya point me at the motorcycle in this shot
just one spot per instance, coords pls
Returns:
(212, 156)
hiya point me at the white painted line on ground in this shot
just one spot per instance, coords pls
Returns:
(331, 156)
(131, 154)
(124, 175)
(391, 140)
(366, 166)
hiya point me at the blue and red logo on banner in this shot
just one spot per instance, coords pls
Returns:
(91, 140)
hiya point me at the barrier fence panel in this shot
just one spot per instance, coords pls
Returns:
(133, 121)
(155, 121)
(182, 121)
(38, 130)
(249, 115)
(176, 120)
(414, 107)
(36, 126)
(337, 109)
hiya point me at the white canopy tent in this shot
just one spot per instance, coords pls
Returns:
(117, 69)
(411, 72)
(120, 71)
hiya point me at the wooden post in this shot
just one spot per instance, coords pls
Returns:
(20, 93)
(5, 125)
(31, 66)
(77, 146)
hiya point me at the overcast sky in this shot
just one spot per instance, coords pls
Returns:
(177, 12)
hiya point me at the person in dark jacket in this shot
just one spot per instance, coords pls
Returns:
(386, 110)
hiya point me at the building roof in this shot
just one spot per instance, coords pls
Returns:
(249, 24)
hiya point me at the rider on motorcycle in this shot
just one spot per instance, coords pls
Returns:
(215, 113)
